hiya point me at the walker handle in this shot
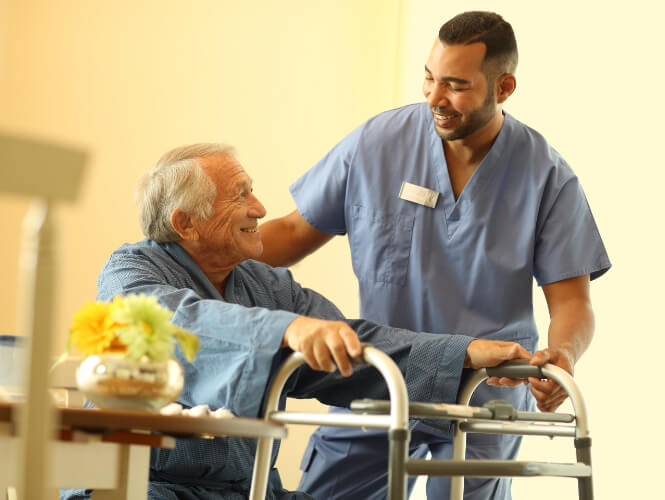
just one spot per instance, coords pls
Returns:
(517, 368)
(360, 360)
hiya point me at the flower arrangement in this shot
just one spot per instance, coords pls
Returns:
(136, 326)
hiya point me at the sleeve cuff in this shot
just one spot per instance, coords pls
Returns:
(442, 366)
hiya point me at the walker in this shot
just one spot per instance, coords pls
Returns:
(495, 417)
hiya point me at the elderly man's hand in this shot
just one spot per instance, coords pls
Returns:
(324, 344)
(483, 353)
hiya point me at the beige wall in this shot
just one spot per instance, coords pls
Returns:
(128, 80)
(284, 81)
(590, 80)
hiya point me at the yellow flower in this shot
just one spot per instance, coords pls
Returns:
(93, 329)
(135, 325)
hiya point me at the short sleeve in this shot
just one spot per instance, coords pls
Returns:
(320, 194)
(568, 243)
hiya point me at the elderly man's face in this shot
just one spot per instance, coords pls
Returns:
(232, 230)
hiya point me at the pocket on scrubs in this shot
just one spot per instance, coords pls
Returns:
(380, 245)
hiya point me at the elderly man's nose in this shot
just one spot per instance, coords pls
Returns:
(256, 208)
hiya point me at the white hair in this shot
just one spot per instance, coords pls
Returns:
(176, 181)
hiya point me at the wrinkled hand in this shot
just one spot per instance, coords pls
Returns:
(483, 353)
(324, 344)
(549, 395)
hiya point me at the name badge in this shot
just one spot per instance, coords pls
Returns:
(418, 194)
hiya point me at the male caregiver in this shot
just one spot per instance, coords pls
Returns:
(452, 207)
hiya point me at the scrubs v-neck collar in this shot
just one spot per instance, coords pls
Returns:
(455, 210)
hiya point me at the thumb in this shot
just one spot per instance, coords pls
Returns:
(541, 357)
(519, 352)
(510, 351)
(351, 341)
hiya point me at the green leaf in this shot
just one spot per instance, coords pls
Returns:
(60, 360)
(64, 355)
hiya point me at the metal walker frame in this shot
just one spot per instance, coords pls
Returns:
(494, 418)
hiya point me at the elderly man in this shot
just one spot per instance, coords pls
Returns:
(200, 215)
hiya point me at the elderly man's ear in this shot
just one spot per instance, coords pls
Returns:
(182, 224)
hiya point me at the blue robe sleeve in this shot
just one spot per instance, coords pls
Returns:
(238, 343)
(430, 363)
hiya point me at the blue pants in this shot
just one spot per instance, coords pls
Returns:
(171, 491)
(349, 463)
(158, 491)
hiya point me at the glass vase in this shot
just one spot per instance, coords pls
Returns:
(111, 381)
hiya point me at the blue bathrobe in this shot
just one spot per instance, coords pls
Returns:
(240, 334)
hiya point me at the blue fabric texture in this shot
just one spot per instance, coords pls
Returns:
(240, 336)
(466, 266)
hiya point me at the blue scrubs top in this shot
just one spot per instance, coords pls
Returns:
(465, 266)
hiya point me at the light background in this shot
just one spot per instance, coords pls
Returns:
(284, 81)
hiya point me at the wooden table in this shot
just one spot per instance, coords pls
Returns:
(109, 450)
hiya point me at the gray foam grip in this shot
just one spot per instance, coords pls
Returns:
(518, 369)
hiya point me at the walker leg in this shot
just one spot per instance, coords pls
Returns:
(459, 453)
(261, 469)
(583, 451)
(398, 455)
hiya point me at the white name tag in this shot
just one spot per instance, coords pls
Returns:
(418, 194)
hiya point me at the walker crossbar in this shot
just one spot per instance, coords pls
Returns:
(335, 419)
(452, 412)
(531, 429)
(499, 417)
(474, 419)
(494, 468)
(396, 423)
